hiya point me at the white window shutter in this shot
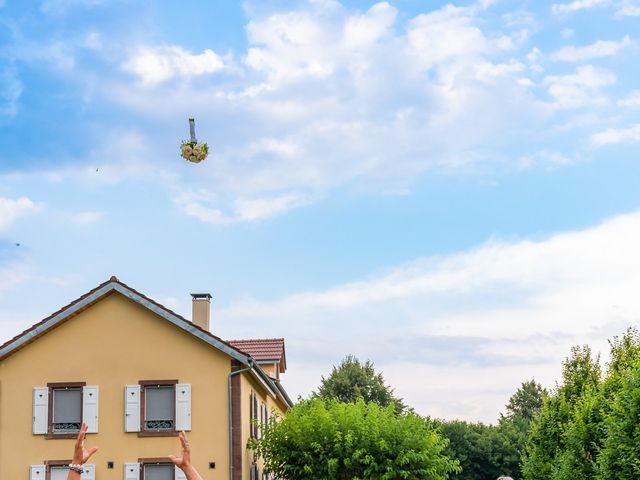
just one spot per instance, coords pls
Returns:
(183, 407)
(89, 472)
(90, 408)
(36, 472)
(40, 411)
(131, 471)
(132, 408)
(180, 474)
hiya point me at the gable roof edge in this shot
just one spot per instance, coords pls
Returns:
(103, 290)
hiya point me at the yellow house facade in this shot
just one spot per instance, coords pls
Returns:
(137, 374)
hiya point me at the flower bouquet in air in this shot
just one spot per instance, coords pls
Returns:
(192, 150)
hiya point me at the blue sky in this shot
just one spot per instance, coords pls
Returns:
(447, 189)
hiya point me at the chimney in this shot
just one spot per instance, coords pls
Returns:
(201, 308)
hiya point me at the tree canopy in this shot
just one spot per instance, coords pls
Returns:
(588, 428)
(353, 379)
(332, 440)
(489, 451)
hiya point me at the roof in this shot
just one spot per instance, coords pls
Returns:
(263, 350)
(114, 285)
(110, 286)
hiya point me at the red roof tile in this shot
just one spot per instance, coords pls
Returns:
(263, 349)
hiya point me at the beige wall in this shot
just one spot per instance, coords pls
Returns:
(271, 369)
(248, 385)
(111, 344)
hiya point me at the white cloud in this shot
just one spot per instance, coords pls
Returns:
(158, 64)
(616, 135)
(116, 158)
(563, 8)
(87, 218)
(599, 49)
(261, 208)
(366, 101)
(366, 29)
(505, 311)
(629, 8)
(199, 205)
(12, 209)
(567, 33)
(580, 88)
(444, 35)
(632, 100)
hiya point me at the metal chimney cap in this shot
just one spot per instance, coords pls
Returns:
(201, 296)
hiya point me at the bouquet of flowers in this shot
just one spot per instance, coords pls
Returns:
(193, 151)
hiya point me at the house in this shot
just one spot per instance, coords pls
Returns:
(137, 374)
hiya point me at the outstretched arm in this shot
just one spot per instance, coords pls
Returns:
(184, 462)
(80, 454)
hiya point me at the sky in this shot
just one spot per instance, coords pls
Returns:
(447, 189)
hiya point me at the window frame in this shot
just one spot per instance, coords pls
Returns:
(156, 433)
(54, 463)
(51, 435)
(155, 461)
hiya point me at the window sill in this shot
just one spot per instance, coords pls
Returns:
(158, 433)
(60, 436)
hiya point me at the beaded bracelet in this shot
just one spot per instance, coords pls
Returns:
(76, 467)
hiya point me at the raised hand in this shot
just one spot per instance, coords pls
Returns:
(183, 462)
(80, 453)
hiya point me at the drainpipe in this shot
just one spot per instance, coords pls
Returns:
(231, 415)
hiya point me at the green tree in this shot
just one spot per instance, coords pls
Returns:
(619, 454)
(583, 438)
(489, 451)
(476, 446)
(526, 402)
(620, 457)
(548, 435)
(514, 425)
(352, 380)
(331, 440)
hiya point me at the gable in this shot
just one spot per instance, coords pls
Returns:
(112, 286)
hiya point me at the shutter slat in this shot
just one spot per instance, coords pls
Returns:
(40, 411)
(90, 408)
(132, 408)
(183, 407)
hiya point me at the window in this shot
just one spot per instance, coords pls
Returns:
(255, 472)
(67, 410)
(58, 473)
(60, 408)
(159, 471)
(158, 407)
(153, 469)
(253, 416)
(58, 470)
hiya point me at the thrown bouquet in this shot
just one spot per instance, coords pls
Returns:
(192, 150)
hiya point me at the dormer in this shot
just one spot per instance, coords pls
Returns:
(269, 353)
